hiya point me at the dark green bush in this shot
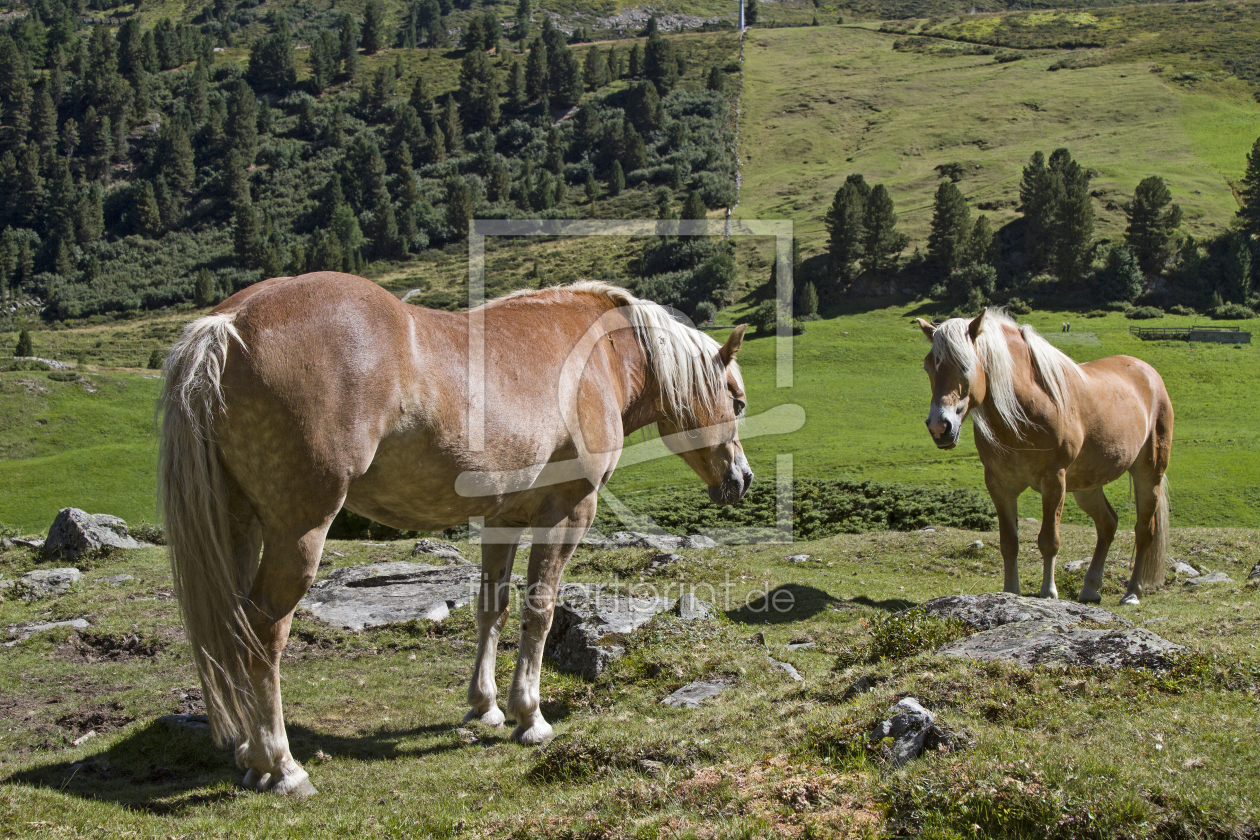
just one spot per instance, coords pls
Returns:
(1144, 313)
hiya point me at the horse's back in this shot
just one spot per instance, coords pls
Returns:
(1129, 409)
(318, 375)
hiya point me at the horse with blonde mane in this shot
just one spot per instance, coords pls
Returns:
(1045, 422)
(301, 395)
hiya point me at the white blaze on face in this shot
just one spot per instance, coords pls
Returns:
(945, 422)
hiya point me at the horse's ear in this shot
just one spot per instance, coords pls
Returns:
(927, 328)
(732, 345)
(974, 328)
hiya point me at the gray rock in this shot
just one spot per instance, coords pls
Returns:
(909, 728)
(1254, 573)
(439, 550)
(787, 668)
(1204, 580)
(977, 544)
(984, 612)
(690, 608)
(862, 685)
(659, 542)
(74, 533)
(660, 561)
(5, 543)
(1075, 565)
(797, 558)
(1042, 642)
(191, 723)
(385, 593)
(589, 624)
(35, 543)
(802, 646)
(22, 632)
(1185, 569)
(117, 580)
(692, 695)
(47, 583)
(7, 584)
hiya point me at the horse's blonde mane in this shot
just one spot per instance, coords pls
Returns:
(683, 359)
(952, 343)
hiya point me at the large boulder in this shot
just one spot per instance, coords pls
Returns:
(1036, 631)
(984, 612)
(590, 623)
(75, 533)
(385, 593)
(1029, 643)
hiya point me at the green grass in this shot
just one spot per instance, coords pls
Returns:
(859, 379)
(373, 715)
(820, 103)
(86, 443)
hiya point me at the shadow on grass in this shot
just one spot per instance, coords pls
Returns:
(162, 769)
(784, 604)
(888, 604)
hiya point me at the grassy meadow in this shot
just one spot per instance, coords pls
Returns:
(375, 716)
(822, 102)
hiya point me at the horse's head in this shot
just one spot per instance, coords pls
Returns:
(707, 436)
(956, 387)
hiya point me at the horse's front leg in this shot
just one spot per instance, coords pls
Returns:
(492, 607)
(1006, 503)
(1053, 492)
(548, 555)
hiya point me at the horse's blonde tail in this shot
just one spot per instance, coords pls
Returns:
(210, 582)
(1150, 566)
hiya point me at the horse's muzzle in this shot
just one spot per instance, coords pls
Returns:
(733, 487)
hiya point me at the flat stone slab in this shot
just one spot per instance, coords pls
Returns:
(22, 632)
(117, 580)
(75, 532)
(693, 695)
(46, 583)
(1041, 642)
(589, 624)
(984, 612)
(387, 593)
(440, 551)
(660, 542)
(1204, 580)
(1185, 569)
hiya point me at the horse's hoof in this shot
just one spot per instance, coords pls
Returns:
(1089, 596)
(539, 733)
(494, 717)
(297, 785)
(1130, 600)
(1051, 594)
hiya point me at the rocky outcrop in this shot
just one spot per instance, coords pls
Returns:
(665, 543)
(913, 730)
(75, 533)
(439, 553)
(1034, 631)
(47, 583)
(590, 623)
(984, 612)
(385, 593)
(1029, 643)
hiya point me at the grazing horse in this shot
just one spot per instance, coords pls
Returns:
(1045, 422)
(301, 395)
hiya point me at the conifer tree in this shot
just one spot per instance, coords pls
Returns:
(614, 64)
(591, 187)
(636, 62)
(951, 225)
(808, 306)
(594, 69)
(845, 221)
(1249, 192)
(44, 119)
(516, 93)
(271, 66)
(373, 38)
(1153, 222)
(882, 241)
(1035, 204)
(1236, 272)
(25, 348)
(349, 44)
(247, 236)
(203, 289)
(1121, 278)
(90, 219)
(693, 207)
(536, 82)
(980, 244)
(478, 92)
(1073, 220)
(523, 20)
(30, 187)
(459, 208)
(617, 180)
(198, 92)
(660, 65)
(146, 215)
(242, 122)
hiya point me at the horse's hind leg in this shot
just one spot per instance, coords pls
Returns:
(1151, 536)
(289, 560)
(492, 607)
(1094, 502)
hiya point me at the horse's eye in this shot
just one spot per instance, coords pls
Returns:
(740, 405)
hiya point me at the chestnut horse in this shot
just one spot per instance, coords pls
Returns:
(1045, 422)
(301, 395)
